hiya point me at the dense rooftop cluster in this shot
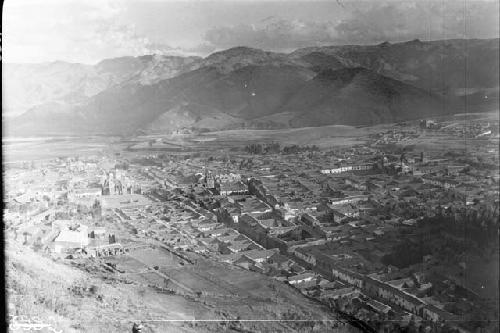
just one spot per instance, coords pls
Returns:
(392, 238)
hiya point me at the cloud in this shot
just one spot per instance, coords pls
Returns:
(202, 49)
(273, 33)
(113, 39)
(80, 31)
(405, 20)
(91, 30)
(367, 22)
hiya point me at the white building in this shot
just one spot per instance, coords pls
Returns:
(71, 239)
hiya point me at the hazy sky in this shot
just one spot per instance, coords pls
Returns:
(91, 30)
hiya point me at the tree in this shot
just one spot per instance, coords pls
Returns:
(137, 328)
(254, 148)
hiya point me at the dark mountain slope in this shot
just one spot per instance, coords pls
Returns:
(357, 96)
(319, 61)
(251, 91)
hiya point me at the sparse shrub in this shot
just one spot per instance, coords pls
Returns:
(93, 289)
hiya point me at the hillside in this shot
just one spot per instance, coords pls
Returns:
(86, 296)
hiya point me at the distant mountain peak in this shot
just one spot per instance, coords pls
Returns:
(241, 56)
(415, 41)
(239, 51)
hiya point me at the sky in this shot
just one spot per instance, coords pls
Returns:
(88, 31)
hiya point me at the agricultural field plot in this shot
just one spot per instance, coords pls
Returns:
(157, 146)
(306, 135)
(124, 201)
(252, 289)
(44, 149)
(326, 136)
(446, 143)
(155, 257)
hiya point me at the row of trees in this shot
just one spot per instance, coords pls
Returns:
(447, 236)
(275, 148)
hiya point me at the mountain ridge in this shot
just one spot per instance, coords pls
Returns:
(241, 86)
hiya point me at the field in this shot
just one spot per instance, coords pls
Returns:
(27, 149)
(35, 149)
(323, 137)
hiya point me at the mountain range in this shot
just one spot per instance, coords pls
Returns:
(250, 88)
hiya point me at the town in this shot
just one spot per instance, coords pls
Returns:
(388, 236)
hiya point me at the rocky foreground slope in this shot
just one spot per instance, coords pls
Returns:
(89, 296)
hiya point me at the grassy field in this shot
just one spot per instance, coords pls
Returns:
(27, 149)
(323, 137)
(35, 149)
